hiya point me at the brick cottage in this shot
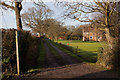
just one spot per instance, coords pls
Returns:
(92, 34)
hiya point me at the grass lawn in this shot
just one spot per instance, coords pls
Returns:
(65, 50)
(88, 50)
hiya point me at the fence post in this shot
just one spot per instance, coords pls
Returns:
(17, 53)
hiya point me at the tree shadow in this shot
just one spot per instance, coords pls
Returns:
(86, 56)
(102, 74)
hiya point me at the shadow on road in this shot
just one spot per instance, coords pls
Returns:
(102, 74)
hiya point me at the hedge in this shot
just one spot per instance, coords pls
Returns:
(28, 47)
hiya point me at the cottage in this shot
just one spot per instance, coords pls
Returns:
(92, 34)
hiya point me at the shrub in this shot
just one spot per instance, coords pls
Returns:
(109, 58)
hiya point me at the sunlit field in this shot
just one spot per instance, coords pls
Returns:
(87, 50)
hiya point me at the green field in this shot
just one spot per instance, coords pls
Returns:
(88, 50)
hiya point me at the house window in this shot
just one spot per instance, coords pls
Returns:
(91, 37)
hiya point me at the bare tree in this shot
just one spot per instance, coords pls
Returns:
(105, 9)
(55, 28)
(40, 21)
(108, 23)
(35, 18)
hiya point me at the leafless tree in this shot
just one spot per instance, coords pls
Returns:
(105, 15)
(103, 9)
(39, 20)
(35, 18)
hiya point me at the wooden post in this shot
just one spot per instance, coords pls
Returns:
(17, 54)
(38, 34)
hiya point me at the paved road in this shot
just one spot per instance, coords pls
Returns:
(81, 70)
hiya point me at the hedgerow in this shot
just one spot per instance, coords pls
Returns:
(28, 47)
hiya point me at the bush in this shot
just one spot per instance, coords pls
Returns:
(110, 58)
(27, 49)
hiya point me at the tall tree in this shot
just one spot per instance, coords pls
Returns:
(55, 29)
(36, 18)
(40, 21)
(105, 9)
(77, 32)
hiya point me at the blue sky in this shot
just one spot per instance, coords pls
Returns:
(7, 20)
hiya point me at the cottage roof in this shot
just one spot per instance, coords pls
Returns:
(91, 29)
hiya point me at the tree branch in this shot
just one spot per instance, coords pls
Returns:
(100, 5)
(101, 28)
(113, 7)
(8, 6)
(84, 20)
(96, 21)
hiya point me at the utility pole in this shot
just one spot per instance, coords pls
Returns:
(17, 53)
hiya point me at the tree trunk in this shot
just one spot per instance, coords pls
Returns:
(109, 38)
(112, 53)
(18, 7)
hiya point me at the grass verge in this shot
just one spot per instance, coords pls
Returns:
(41, 55)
